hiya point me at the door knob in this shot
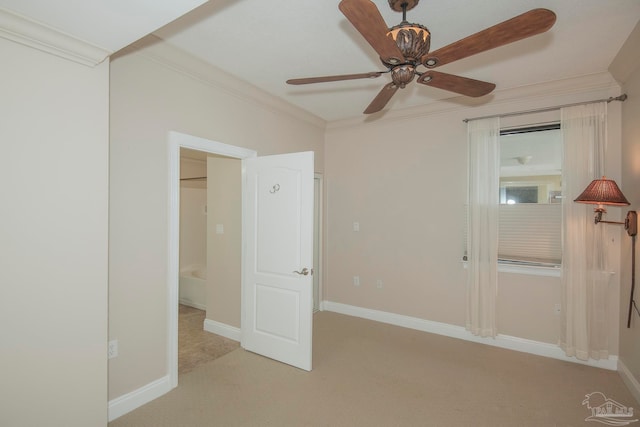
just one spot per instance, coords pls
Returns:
(305, 271)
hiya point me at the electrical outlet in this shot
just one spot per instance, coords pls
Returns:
(557, 309)
(112, 350)
(356, 280)
(379, 284)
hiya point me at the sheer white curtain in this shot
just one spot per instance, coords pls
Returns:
(482, 241)
(584, 272)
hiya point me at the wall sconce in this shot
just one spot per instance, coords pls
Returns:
(603, 192)
(606, 192)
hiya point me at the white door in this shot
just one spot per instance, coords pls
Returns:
(277, 286)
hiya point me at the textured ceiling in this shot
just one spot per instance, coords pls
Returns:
(267, 42)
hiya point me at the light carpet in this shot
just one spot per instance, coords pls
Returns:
(367, 373)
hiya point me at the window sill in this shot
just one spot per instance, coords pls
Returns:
(530, 270)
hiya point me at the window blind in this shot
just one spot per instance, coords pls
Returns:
(530, 232)
(527, 233)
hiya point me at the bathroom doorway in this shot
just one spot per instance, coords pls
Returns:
(202, 251)
(176, 142)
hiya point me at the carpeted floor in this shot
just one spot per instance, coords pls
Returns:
(195, 345)
(372, 374)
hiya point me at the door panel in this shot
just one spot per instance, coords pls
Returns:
(282, 324)
(278, 229)
(279, 222)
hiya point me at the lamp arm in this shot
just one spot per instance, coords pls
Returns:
(630, 222)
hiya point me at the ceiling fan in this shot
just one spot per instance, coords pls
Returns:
(405, 47)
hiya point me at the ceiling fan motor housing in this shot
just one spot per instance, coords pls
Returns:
(403, 74)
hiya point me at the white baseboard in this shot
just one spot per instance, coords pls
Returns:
(454, 331)
(222, 329)
(193, 304)
(130, 401)
(630, 381)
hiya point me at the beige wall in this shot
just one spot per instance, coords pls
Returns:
(53, 234)
(224, 195)
(408, 196)
(525, 307)
(193, 218)
(148, 99)
(404, 180)
(630, 338)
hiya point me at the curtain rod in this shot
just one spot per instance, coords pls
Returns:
(621, 98)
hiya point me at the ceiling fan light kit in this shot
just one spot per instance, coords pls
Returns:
(405, 47)
(413, 40)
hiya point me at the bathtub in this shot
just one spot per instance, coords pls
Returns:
(193, 286)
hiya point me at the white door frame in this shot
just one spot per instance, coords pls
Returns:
(176, 141)
(319, 269)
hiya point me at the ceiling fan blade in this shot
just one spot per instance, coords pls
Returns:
(528, 24)
(457, 84)
(366, 18)
(381, 98)
(308, 80)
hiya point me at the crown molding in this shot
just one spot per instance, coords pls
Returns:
(167, 55)
(541, 95)
(30, 33)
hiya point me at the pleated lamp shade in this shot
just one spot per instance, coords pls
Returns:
(603, 192)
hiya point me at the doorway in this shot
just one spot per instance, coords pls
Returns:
(210, 190)
(176, 141)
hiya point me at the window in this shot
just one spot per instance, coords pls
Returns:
(530, 216)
